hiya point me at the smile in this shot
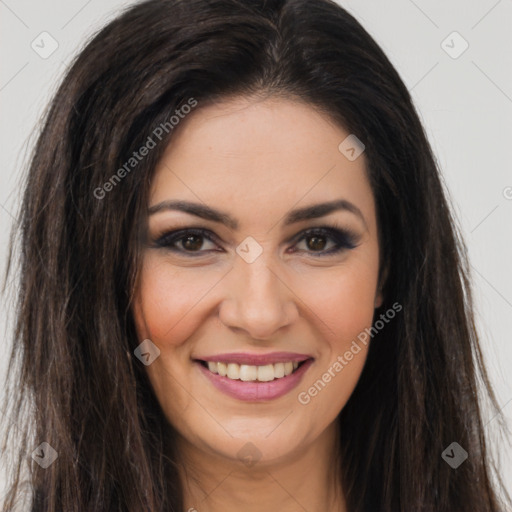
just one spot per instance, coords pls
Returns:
(255, 382)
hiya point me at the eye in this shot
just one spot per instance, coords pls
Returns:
(191, 241)
(316, 240)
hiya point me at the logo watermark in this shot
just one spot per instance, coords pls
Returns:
(454, 455)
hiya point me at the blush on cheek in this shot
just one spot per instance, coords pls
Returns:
(346, 308)
(164, 321)
(355, 315)
(169, 302)
(158, 307)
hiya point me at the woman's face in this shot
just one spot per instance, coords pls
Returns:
(252, 290)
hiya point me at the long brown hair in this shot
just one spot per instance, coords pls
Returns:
(74, 382)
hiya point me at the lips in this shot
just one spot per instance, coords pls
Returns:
(255, 377)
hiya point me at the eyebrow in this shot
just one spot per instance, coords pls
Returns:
(298, 215)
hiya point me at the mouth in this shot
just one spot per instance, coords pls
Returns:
(254, 382)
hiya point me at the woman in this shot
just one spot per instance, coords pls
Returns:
(255, 294)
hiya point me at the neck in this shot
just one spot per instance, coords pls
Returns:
(306, 480)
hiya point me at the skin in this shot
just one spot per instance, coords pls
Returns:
(257, 159)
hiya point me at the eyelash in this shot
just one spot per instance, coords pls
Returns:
(344, 239)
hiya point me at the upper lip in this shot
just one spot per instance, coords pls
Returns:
(256, 359)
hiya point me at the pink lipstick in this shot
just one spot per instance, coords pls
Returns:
(255, 377)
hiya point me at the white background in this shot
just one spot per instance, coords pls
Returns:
(465, 104)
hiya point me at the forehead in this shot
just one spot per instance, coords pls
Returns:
(269, 154)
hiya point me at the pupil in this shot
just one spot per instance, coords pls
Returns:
(316, 245)
(189, 242)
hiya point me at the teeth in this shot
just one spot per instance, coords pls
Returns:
(265, 373)
(221, 368)
(233, 371)
(247, 372)
(278, 370)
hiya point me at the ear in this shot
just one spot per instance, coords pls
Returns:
(379, 297)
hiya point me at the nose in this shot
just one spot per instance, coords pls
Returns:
(258, 300)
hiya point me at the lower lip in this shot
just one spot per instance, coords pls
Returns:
(256, 391)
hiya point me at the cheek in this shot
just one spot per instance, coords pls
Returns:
(164, 310)
(164, 313)
(344, 299)
(348, 307)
